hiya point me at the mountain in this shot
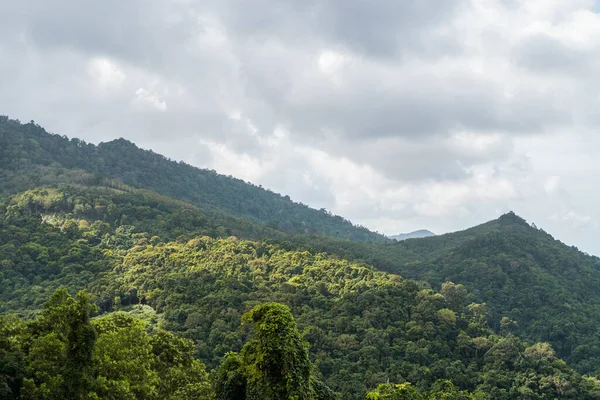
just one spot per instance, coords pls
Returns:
(31, 157)
(551, 290)
(500, 310)
(364, 327)
(421, 233)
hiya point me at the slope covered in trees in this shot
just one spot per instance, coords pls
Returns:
(64, 354)
(551, 290)
(364, 327)
(30, 157)
(79, 217)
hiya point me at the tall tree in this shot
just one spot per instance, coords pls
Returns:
(60, 353)
(274, 364)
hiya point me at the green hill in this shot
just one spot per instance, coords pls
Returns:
(550, 289)
(365, 327)
(165, 247)
(31, 157)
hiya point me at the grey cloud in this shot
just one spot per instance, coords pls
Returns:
(419, 107)
(136, 30)
(542, 53)
(376, 103)
(265, 79)
(375, 28)
(438, 158)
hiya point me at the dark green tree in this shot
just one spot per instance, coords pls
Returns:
(274, 364)
(60, 353)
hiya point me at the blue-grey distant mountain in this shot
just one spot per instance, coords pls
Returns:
(421, 233)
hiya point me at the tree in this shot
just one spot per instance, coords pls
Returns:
(402, 391)
(60, 355)
(123, 359)
(181, 376)
(230, 380)
(276, 358)
(273, 364)
(12, 360)
(455, 296)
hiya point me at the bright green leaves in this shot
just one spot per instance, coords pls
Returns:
(181, 376)
(402, 391)
(123, 359)
(131, 364)
(443, 390)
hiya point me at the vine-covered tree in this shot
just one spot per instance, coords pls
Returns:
(274, 364)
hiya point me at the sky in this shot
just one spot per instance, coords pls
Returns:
(398, 115)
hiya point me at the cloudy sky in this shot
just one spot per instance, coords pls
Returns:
(399, 115)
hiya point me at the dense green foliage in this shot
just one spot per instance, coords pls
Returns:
(173, 279)
(364, 327)
(64, 354)
(405, 391)
(30, 157)
(274, 364)
(142, 210)
(519, 271)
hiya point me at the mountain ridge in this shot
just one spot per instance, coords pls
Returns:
(120, 159)
(105, 229)
(365, 327)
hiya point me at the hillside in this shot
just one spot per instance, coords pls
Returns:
(31, 157)
(365, 327)
(550, 289)
(79, 216)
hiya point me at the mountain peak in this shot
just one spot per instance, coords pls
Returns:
(512, 218)
(120, 142)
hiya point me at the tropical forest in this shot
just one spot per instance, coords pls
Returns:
(127, 275)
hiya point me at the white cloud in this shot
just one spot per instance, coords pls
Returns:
(551, 184)
(105, 73)
(145, 98)
(574, 219)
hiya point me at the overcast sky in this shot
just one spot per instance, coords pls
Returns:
(398, 115)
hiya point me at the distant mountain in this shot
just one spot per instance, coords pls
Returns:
(421, 233)
(30, 157)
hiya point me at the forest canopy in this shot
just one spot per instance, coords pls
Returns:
(124, 275)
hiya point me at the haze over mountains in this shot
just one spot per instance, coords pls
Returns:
(421, 233)
(176, 258)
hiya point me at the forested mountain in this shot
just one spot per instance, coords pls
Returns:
(30, 157)
(364, 327)
(551, 290)
(186, 299)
